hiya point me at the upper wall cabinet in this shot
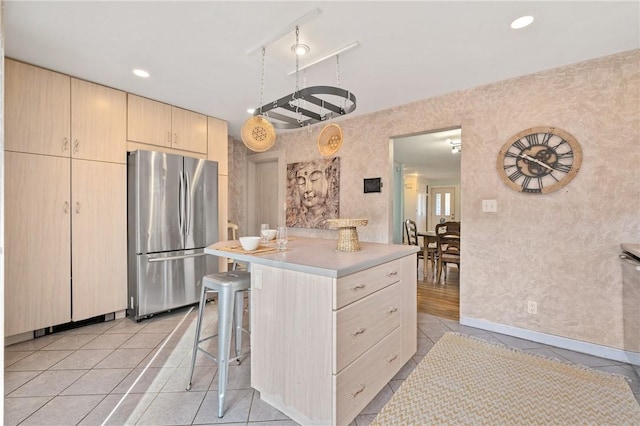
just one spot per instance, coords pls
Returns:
(148, 121)
(189, 130)
(98, 122)
(37, 110)
(218, 144)
(155, 123)
(53, 114)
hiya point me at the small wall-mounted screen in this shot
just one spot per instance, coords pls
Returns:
(373, 185)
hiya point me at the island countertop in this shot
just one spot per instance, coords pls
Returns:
(318, 256)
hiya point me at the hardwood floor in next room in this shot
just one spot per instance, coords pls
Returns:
(441, 300)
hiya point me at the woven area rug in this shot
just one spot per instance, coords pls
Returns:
(463, 380)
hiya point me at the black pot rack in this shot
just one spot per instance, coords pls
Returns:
(308, 106)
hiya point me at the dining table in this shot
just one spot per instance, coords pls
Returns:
(322, 321)
(428, 237)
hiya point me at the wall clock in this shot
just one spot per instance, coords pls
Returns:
(539, 160)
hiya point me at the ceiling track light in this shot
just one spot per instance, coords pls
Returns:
(312, 14)
(300, 49)
(324, 58)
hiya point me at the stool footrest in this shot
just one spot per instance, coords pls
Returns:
(210, 355)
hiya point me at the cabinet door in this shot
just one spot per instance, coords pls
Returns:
(148, 121)
(37, 110)
(99, 224)
(218, 144)
(38, 242)
(98, 122)
(189, 130)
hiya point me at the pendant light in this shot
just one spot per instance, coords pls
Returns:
(257, 132)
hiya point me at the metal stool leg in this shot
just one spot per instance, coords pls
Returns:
(196, 340)
(225, 319)
(230, 288)
(237, 323)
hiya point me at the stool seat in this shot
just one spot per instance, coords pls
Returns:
(230, 287)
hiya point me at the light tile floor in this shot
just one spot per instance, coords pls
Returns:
(135, 373)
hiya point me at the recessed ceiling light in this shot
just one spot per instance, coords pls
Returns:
(251, 110)
(521, 22)
(300, 49)
(141, 73)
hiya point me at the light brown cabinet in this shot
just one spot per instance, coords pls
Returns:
(58, 234)
(156, 123)
(65, 199)
(99, 243)
(98, 122)
(37, 110)
(53, 114)
(37, 242)
(367, 321)
(218, 143)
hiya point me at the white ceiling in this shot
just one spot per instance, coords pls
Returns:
(206, 55)
(429, 155)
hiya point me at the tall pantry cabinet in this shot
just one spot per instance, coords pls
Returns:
(65, 199)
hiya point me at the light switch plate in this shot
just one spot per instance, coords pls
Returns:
(489, 206)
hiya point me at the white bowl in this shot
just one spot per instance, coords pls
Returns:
(269, 234)
(249, 243)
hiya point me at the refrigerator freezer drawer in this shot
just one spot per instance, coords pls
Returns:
(165, 281)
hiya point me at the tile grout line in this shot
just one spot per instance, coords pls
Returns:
(146, 367)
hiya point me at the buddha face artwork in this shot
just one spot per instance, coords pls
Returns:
(313, 192)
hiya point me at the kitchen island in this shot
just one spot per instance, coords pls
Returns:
(329, 329)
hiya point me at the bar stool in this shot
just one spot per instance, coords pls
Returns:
(229, 286)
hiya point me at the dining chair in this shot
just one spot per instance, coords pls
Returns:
(232, 234)
(411, 234)
(431, 253)
(448, 246)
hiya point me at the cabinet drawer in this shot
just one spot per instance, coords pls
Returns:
(358, 285)
(360, 382)
(362, 324)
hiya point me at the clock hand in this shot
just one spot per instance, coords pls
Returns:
(535, 160)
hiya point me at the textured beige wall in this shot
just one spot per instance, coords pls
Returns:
(559, 249)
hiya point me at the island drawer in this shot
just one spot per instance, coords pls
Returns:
(361, 381)
(356, 286)
(364, 323)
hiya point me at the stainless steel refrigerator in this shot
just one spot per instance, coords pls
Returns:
(172, 216)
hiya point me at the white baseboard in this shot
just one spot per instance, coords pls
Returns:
(557, 341)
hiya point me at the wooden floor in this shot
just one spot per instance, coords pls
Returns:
(442, 300)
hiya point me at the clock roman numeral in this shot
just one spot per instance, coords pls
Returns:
(528, 180)
(511, 155)
(564, 168)
(562, 141)
(515, 175)
(546, 138)
(532, 190)
(565, 155)
(520, 145)
(532, 139)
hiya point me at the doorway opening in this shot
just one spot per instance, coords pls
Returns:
(266, 180)
(427, 174)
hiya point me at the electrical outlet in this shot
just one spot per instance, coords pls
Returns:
(532, 307)
(489, 206)
(257, 280)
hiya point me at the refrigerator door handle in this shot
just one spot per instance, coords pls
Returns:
(187, 204)
(181, 221)
(182, 256)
